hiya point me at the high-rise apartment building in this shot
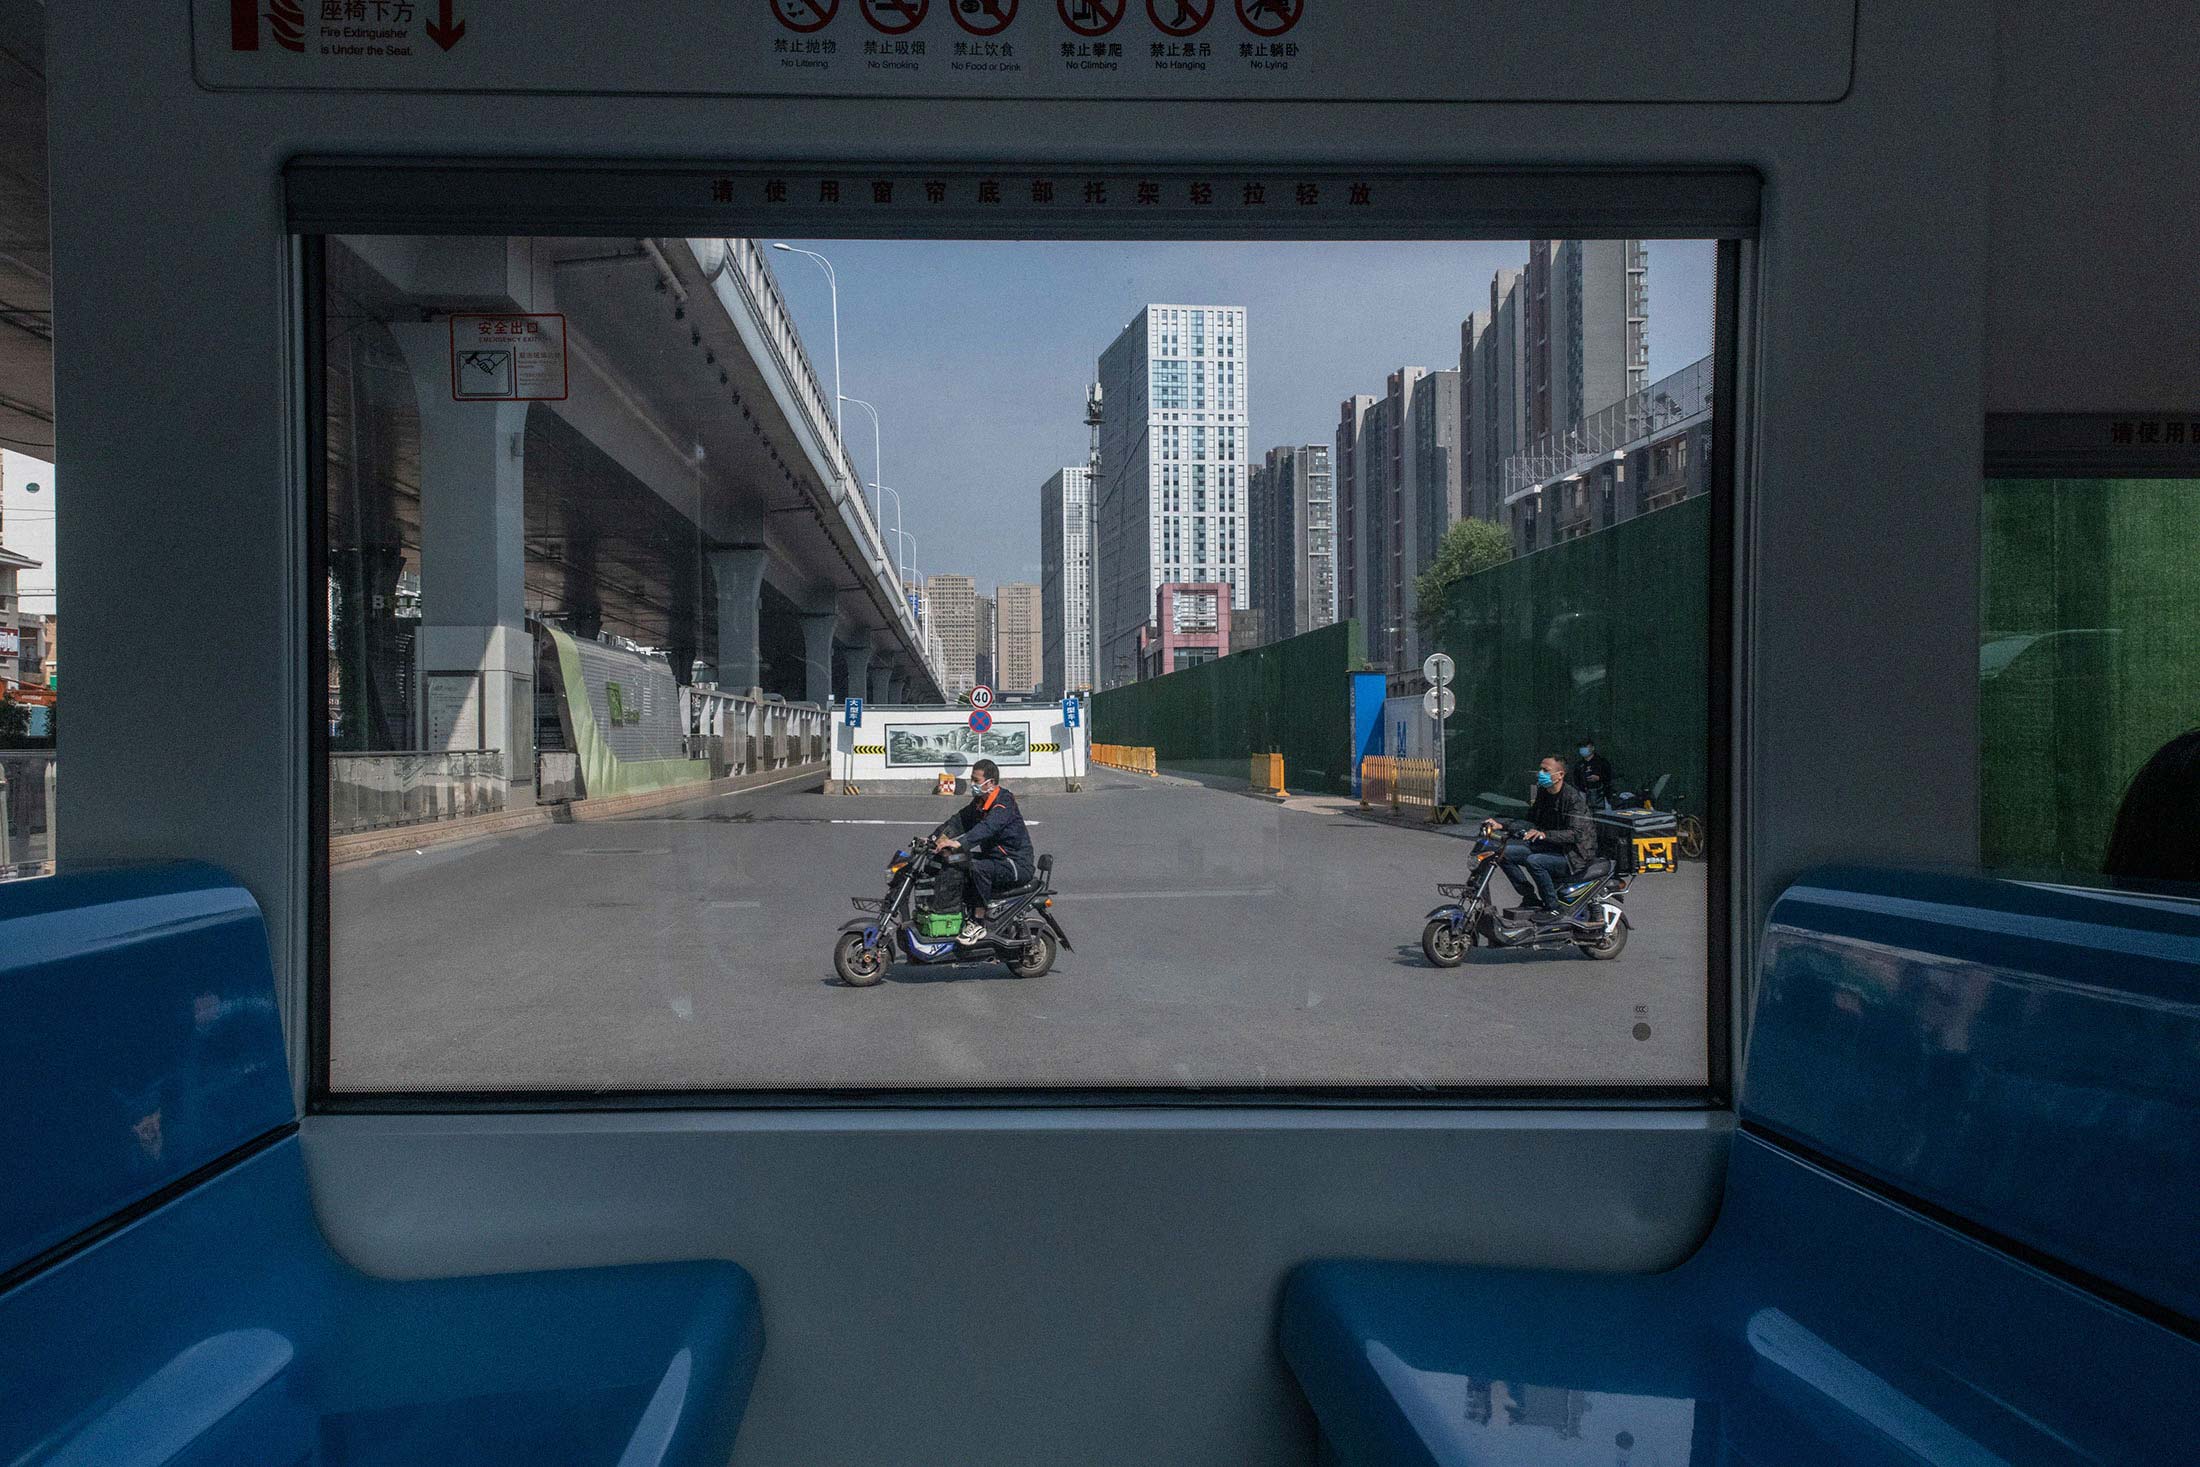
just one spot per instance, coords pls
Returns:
(951, 612)
(1493, 389)
(1019, 638)
(1169, 503)
(1349, 477)
(1431, 491)
(989, 655)
(1587, 328)
(1292, 524)
(1065, 581)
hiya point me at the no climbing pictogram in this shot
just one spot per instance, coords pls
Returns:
(983, 17)
(1270, 17)
(1186, 17)
(895, 17)
(805, 15)
(1091, 17)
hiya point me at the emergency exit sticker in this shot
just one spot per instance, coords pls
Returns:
(508, 358)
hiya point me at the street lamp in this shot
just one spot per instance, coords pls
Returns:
(878, 472)
(901, 558)
(832, 281)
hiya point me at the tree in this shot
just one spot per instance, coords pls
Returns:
(1467, 548)
(15, 720)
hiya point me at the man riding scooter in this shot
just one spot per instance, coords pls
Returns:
(990, 832)
(1557, 846)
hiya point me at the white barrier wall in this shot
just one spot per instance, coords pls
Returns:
(894, 746)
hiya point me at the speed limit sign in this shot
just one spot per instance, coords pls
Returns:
(981, 696)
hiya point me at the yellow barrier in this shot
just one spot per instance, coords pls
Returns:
(1267, 774)
(1131, 759)
(1388, 781)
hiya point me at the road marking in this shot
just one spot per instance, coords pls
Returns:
(737, 904)
(1155, 896)
(900, 822)
(619, 851)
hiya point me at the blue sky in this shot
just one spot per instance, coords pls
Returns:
(977, 353)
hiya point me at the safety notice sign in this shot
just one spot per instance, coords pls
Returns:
(508, 358)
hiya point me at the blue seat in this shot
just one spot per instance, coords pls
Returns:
(166, 1295)
(1958, 1226)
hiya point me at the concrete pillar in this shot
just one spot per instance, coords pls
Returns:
(817, 656)
(897, 686)
(857, 661)
(472, 562)
(882, 680)
(739, 571)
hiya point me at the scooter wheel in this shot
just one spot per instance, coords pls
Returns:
(857, 965)
(1036, 958)
(1442, 946)
(1607, 947)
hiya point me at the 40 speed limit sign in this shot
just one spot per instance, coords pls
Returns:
(981, 696)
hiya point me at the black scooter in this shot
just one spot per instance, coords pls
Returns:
(1590, 913)
(1020, 927)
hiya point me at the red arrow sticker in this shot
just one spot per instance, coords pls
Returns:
(442, 30)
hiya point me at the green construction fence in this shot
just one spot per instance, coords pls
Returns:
(1291, 698)
(2089, 657)
(1608, 637)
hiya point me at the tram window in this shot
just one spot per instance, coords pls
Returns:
(2089, 671)
(675, 585)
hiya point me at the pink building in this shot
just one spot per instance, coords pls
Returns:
(1191, 625)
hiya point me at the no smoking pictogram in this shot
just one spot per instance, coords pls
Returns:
(895, 17)
(983, 17)
(1186, 17)
(1091, 17)
(1270, 17)
(805, 15)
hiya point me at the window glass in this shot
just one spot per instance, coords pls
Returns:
(2089, 677)
(679, 589)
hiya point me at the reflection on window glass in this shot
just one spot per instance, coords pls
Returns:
(858, 664)
(2089, 668)
(30, 669)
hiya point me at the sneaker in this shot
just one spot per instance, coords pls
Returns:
(972, 932)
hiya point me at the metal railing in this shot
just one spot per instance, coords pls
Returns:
(377, 791)
(1385, 780)
(1130, 758)
(744, 735)
(1664, 404)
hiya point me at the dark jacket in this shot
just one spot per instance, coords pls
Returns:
(1563, 817)
(1593, 776)
(993, 826)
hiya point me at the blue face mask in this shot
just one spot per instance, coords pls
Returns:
(1585, 750)
(1543, 779)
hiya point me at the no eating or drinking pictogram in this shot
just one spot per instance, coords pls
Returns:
(1091, 17)
(982, 17)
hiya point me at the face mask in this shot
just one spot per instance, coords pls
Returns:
(1586, 750)
(1543, 779)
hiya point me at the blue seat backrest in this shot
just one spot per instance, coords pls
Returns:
(2025, 1058)
(139, 1043)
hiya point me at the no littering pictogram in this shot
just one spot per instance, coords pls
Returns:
(805, 15)
(1186, 17)
(983, 17)
(1091, 17)
(895, 17)
(1270, 17)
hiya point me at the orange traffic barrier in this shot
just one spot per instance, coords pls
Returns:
(1130, 758)
(1388, 781)
(1267, 773)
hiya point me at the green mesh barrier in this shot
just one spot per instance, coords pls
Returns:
(1606, 636)
(1290, 698)
(2089, 657)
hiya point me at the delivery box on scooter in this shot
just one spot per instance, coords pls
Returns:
(1636, 840)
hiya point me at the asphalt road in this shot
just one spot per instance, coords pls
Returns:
(1220, 941)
